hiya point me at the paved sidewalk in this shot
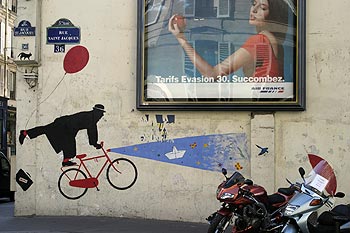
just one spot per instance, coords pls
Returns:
(36, 224)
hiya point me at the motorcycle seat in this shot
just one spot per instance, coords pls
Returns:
(340, 213)
(278, 198)
(286, 191)
(275, 198)
(343, 210)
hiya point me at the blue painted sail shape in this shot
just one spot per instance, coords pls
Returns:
(208, 152)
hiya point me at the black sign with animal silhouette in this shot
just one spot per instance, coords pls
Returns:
(23, 56)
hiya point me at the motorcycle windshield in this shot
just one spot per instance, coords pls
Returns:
(322, 178)
(234, 179)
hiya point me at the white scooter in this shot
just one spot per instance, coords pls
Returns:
(316, 191)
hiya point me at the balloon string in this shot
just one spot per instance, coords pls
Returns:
(45, 99)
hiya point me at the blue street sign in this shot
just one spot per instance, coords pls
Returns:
(63, 32)
(24, 29)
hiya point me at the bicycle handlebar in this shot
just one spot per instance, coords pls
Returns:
(103, 149)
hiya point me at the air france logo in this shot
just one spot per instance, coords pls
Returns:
(269, 90)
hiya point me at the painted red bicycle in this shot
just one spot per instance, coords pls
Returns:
(73, 183)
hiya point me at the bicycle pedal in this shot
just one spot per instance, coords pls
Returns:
(95, 184)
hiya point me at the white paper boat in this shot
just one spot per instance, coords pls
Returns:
(175, 154)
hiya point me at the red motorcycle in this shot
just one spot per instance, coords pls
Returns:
(247, 205)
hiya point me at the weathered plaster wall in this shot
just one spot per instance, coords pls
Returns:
(165, 190)
(324, 128)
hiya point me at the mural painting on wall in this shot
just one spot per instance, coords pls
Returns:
(159, 131)
(62, 131)
(263, 150)
(74, 61)
(73, 183)
(207, 152)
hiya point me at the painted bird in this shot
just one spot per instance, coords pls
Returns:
(263, 150)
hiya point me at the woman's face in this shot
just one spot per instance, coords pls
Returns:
(259, 12)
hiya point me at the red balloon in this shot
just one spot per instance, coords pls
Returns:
(75, 59)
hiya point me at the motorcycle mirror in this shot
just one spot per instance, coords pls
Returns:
(339, 194)
(248, 182)
(224, 171)
(302, 172)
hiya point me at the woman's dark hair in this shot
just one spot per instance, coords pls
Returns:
(277, 23)
(279, 13)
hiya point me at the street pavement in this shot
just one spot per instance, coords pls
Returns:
(82, 224)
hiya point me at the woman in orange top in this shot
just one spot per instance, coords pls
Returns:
(261, 55)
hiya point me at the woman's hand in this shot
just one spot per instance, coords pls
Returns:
(176, 26)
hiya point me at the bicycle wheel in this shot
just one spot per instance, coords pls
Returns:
(121, 174)
(68, 191)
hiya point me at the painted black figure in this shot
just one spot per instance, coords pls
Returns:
(62, 132)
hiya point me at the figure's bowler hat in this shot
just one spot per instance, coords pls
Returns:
(99, 107)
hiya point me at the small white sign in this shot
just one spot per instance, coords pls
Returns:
(319, 182)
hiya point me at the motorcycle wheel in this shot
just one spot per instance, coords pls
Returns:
(218, 223)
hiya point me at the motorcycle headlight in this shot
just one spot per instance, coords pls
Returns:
(227, 196)
(289, 210)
